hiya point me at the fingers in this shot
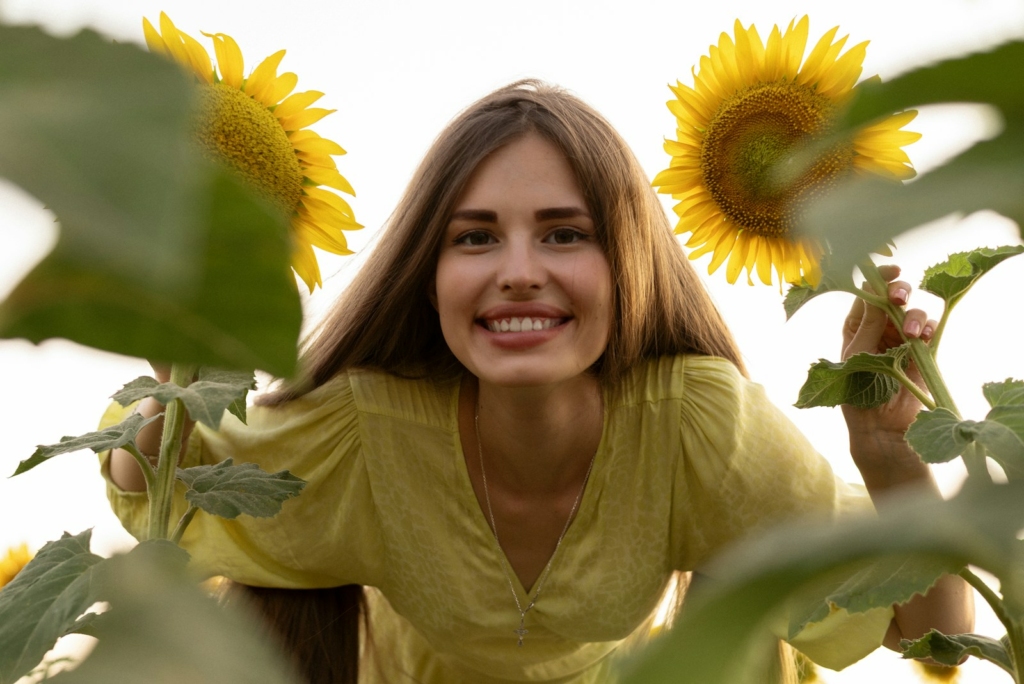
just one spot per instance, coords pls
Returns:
(917, 324)
(865, 326)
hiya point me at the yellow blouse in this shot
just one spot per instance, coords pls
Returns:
(692, 456)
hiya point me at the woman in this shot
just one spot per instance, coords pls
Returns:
(521, 419)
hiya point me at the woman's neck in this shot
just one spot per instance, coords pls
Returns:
(537, 440)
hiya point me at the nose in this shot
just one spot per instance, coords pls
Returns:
(521, 268)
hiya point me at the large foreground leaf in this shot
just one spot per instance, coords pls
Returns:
(711, 640)
(112, 437)
(43, 602)
(162, 629)
(206, 399)
(229, 490)
(160, 254)
(990, 175)
(939, 436)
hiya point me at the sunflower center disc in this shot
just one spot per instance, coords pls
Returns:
(233, 127)
(745, 140)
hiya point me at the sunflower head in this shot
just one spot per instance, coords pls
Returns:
(258, 127)
(751, 106)
(17, 557)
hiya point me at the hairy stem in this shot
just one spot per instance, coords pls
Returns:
(916, 391)
(144, 465)
(161, 493)
(183, 523)
(937, 335)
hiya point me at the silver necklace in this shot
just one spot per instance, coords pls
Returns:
(522, 631)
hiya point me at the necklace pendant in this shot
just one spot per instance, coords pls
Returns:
(522, 631)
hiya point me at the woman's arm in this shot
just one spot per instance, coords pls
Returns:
(890, 467)
(124, 469)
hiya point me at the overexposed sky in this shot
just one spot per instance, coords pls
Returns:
(397, 72)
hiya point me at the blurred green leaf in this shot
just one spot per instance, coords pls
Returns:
(798, 295)
(1002, 434)
(755, 579)
(879, 584)
(43, 602)
(951, 279)
(1009, 392)
(206, 399)
(950, 650)
(229, 490)
(112, 437)
(939, 436)
(863, 380)
(990, 175)
(162, 629)
(161, 255)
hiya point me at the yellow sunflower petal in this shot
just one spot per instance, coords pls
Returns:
(280, 88)
(305, 265)
(263, 76)
(306, 117)
(844, 73)
(334, 200)
(198, 57)
(764, 261)
(809, 71)
(229, 59)
(296, 103)
(773, 67)
(738, 257)
(322, 212)
(172, 39)
(316, 234)
(153, 40)
(794, 44)
(330, 178)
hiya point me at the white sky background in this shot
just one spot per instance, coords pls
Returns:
(397, 72)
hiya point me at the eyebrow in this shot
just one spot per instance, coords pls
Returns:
(486, 216)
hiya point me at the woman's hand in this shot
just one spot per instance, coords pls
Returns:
(876, 435)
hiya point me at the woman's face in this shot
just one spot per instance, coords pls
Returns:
(523, 289)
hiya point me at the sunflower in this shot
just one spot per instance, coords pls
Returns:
(750, 105)
(256, 124)
(10, 565)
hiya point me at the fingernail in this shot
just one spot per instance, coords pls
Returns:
(927, 333)
(900, 295)
(913, 328)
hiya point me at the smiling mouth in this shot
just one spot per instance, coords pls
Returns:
(521, 324)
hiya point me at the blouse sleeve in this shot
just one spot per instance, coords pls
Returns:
(747, 467)
(327, 536)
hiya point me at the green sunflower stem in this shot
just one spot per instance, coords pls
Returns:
(1014, 628)
(170, 446)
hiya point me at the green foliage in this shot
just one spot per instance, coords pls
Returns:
(864, 380)
(162, 628)
(950, 650)
(229, 490)
(43, 603)
(112, 437)
(206, 399)
(160, 255)
(798, 295)
(951, 279)
(1009, 392)
(881, 582)
(866, 213)
(939, 436)
(712, 637)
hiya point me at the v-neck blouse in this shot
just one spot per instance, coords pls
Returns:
(692, 457)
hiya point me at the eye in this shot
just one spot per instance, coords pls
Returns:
(566, 236)
(474, 238)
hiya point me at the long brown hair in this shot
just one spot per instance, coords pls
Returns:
(385, 321)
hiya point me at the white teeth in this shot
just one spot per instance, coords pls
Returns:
(522, 324)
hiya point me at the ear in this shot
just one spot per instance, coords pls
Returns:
(432, 292)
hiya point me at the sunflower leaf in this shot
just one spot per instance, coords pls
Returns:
(864, 380)
(878, 584)
(950, 650)
(206, 399)
(160, 255)
(753, 581)
(229, 490)
(161, 624)
(939, 436)
(798, 295)
(1002, 434)
(990, 175)
(112, 437)
(1009, 392)
(43, 603)
(952, 278)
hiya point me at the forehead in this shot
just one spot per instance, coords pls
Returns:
(528, 170)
